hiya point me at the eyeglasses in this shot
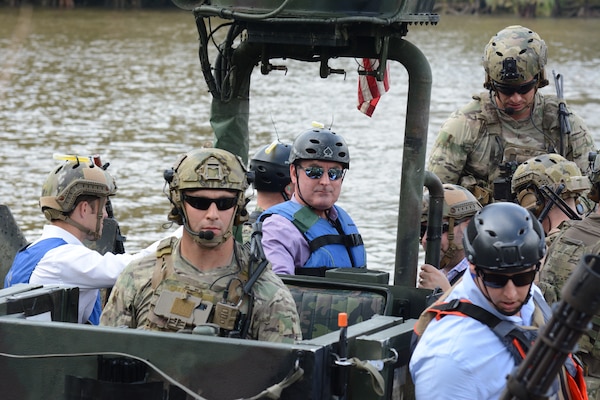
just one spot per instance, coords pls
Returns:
(203, 203)
(509, 90)
(445, 227)
(317, 172)
(497, 281)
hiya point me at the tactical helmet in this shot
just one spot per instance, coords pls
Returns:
(549, 170)
(271, 168)
(515, 56)
(504, 237)
(207, 168)
(459, 203)
(320, 144)
(70, 180)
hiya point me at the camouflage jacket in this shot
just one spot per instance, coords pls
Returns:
(477, 139)
(133, 299)
(575, 239)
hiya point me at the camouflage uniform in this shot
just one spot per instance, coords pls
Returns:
(576, 238)
(133, 299)
(477, 139)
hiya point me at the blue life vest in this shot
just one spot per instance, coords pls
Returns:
(339, 246)
(28, 258)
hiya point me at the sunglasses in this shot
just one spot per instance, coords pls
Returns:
(445, 227)
(317, 172)
(497, 281)
(509, 90)
(203, 203)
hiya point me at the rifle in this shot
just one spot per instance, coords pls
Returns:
(563, 113)
(111, 240)
(570, 319)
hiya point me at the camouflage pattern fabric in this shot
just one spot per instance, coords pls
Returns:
(274, 315)
(477, 139)
(575, 239)
(319, 308)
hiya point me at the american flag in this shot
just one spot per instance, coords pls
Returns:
(370, 89)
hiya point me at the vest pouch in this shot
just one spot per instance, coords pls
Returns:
(181, 310)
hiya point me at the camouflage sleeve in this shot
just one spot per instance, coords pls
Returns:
(129, 298)
(581, 143)
(451, 149)
(274, 317)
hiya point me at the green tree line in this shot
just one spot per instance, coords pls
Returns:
(523, 8)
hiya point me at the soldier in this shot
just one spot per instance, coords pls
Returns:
(481, 329)
(480, 145)
(203, 277)
(309, 233)
(575, 239)
(73, 200)
(551, 187)
(459, 206)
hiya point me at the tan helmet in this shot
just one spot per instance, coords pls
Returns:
(515, 56)
(550, 170)
(70, 180)
(459, 203)
(207, 168)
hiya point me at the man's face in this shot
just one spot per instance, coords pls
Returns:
(318, 183)
(209, 209)
(518, 98)
(507, 292)
(444, 243)
(91, 211)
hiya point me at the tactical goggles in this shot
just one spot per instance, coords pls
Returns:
(498, 281)
(203, 203)
(317, 172)
(445, 227)
(509, 90)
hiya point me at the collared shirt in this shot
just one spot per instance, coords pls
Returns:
(457, 269)
(284, 245)
(77, 265)
(461, 358)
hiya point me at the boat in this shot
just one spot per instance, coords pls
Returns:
(367, 359)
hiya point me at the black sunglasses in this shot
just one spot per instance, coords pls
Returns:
(445, 227)
(497, 281)
(203, 203)
(317, 172)
(509, 90)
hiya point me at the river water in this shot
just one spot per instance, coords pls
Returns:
(127, 85)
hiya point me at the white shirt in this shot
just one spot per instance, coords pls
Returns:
(76, 265)
(462, 358)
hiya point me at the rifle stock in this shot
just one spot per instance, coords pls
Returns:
(570, 319)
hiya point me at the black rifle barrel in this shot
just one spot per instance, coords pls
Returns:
(570, 319)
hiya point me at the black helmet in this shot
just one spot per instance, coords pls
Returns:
(504, 237)
(271, 168)
(320, 144)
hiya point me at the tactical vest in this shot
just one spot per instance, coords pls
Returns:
(504, 156)
(331, 247)
(517, 339)
(576, 239)
(181, 302)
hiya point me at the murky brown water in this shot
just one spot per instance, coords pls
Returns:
(128, 86)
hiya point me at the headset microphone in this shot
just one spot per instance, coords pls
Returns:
(208, 235)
